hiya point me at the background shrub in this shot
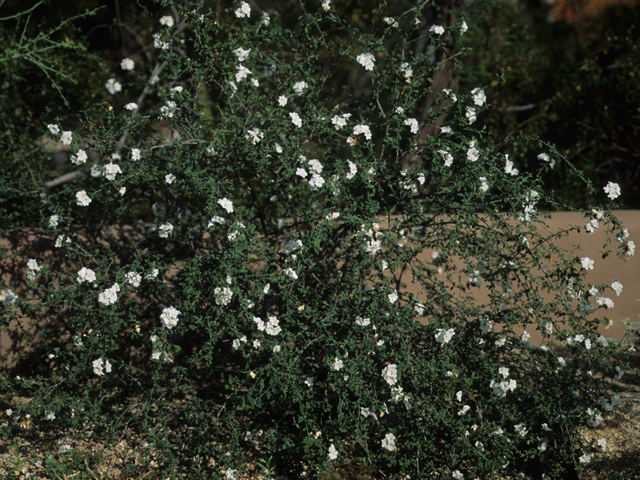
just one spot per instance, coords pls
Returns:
(235, 246)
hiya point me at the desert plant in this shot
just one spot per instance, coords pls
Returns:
(268, 267)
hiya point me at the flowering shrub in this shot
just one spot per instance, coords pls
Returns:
(303, 274)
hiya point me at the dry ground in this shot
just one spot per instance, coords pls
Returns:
(71, 456)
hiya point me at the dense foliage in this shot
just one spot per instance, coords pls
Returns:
(252, 250)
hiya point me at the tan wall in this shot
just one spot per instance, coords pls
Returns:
(35, 244)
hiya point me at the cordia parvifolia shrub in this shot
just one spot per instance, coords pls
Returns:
(262, 307)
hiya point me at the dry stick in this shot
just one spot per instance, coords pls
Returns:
(86, 467)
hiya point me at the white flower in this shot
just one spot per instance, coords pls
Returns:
(152, 275)
(66, 138)
(391, 21)
(501, 389)
(372, 247)
(390, 374)
(223, 295)
(299, 87)
(316, 181)
(444, 336)
(479, 98)
(602, 444)
(412, 123)
(393, 297)
(135, 154)
(612, 190)
(272, 327)
(631, 248)
(242, 73)
(230, 474)
(169, 317)
(226, 204)
(82, 199)
(545, 158)
(366, 60)
(295, 119)
(80, 158)
(365, 412)
(33, 269)
(131, 106)
(133, 278)
(53, 220)
(291, 273)
(99, 367)
(111, 170)
(168, 109)
(236, 344)
(587, 263)
(617, 287)
(54, 129)
(308, 382)
(504, 371)
(110, 295)
(326, 5)
(457, 475)
(622, 234)
(164, 231)
(167, 21)
(465, 409)
(216, 219)
(353, 169)
(608, 406)
(333, 453)
(340, 121)
(241, 53)
(592, 225)
(450, 93)
(521, 429)
(50, 416)
(471, 115)
(292, 245)
(244, 10)
(259, 323)
(254, 135)
(86, 275)
(508, 167)
(605, 302)
(389, 442)
(437, 29)
(169, 178)
(332, 216)
(337, 364)
(446, 156)
(265, 19)
(473, 154)
(407, 71)
(127, 64)
(363, 322)
(113, 86)
(7, 297)
(282, 100)
(358, 129)
(484, 186)
(301, 172)
(585, 457)
(463, 27)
